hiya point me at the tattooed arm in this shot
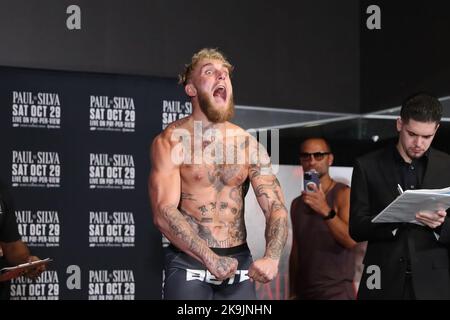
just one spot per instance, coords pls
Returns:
(165, 192)
(270, 198)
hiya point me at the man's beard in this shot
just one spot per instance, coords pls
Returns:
(211, 112)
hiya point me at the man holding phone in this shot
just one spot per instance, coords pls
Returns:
(322, 262)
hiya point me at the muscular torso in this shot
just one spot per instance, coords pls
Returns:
(212, 202)
(212, 199)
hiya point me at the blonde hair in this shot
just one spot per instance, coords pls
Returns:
(205, 53)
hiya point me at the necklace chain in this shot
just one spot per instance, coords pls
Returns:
(329, 187)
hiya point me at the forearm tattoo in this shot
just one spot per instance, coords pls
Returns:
(182, 229)
(271, 200)
(276, 235)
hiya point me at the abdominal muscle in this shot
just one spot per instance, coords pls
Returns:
(217, 217)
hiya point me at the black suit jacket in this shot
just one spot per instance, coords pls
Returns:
(374, 186)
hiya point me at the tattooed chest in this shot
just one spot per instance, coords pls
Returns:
(216, 176)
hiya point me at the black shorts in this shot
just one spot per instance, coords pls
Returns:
(187, 278)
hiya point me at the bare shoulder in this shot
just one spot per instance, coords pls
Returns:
(164, 142)
(232, 126)
(343, 194)
(236, 131)
(181, 123)
(170, 135)
(343, 190)
(240, 137)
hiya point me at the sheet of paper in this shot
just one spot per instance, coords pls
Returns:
(9, 273)
(405, 207)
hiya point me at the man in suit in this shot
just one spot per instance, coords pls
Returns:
(403, 260)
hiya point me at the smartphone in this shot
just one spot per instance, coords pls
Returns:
(311, 178)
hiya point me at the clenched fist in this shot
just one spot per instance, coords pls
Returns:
(263, 270)
(223, 267)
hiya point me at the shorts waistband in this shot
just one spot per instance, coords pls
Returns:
(222, 251)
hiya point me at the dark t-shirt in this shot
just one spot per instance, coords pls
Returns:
(8, 224)
(8, 232)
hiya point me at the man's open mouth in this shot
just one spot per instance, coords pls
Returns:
(220, 92)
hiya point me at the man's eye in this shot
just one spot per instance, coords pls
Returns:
(208, 72)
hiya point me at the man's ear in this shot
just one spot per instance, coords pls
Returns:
(330, 159)
(190, 90)
(399, 124)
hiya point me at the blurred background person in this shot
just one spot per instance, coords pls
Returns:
(322, 260)
(13, 250)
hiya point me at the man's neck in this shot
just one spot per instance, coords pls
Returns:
(198, 115)
(402, 153)
(326, 182)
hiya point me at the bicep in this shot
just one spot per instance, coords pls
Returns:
(164, 188)
(268, 192)
(164, 180)
(264, 182)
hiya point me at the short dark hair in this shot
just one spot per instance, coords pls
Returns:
(327, 143)
(421, 107)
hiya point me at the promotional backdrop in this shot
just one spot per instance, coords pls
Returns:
(75, 155)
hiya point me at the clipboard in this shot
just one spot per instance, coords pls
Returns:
(9, 273)
(405, 206)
